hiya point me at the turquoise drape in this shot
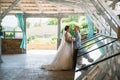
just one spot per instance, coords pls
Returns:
(90, 26)
(22, 26)
(91, 31)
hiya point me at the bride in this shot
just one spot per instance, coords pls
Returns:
(64, 57)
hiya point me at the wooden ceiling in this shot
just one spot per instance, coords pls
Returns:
(38, 6)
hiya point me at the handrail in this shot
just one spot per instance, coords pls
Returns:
(94, 18)
(103, 13)
(75, 55)
(116, 20)
(97, 48)
(11, 31)
(104, 26)
(97, 62)
(91, 39)
(93, 43)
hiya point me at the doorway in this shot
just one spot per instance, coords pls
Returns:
(41, 33)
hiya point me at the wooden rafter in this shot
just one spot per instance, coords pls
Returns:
(38, 5)
(9, 9)
(53, 15)
(58, 9)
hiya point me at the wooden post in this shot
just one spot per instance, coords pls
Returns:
(59, 28)
(0, 45)
(0, 51)
(2, 15)
(118, 33)
(25, 50)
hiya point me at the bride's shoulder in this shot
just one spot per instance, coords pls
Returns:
(66, 33)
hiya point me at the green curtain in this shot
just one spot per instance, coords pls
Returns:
(22, 26)
(90, 26)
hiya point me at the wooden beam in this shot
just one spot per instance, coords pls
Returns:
(75, 10)
(52, 15)
(57, 6)
(9, 9)
(58, 9)
(38, 5)
(21, 7)
(73, 4)
(0, 9)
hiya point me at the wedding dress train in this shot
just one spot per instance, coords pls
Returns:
(64, 56)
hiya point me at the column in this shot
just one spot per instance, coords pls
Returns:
(0, 45)
(25, 50)
(0, 51)
(59, 28)
(2, 15)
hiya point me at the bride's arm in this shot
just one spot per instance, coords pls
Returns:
(68, 38)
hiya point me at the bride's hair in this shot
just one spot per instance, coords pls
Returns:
(66, 27)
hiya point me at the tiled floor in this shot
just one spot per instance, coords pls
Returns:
(27, 67)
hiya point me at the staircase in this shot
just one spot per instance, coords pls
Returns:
(105, 14)
(104, 70)
(103, 17)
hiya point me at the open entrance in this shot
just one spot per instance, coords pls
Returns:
(41, 34)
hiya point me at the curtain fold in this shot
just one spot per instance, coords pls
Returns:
(22, 27)
(90, 26)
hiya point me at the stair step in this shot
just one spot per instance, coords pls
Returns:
(93, 72)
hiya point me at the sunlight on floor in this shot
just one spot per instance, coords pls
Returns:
(95, 55)
(28, 67)
(42, 52)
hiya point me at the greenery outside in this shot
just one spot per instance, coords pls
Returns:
(45, 38)
(71, 21)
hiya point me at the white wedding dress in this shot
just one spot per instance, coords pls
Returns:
(64, 56)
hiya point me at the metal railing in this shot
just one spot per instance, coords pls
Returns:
(93, 43)
(92, 38)
(98, 47)
(111, 14)
(75, 51)
(97, 62)
(107, 14)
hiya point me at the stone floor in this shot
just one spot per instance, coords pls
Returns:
(27, 67)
